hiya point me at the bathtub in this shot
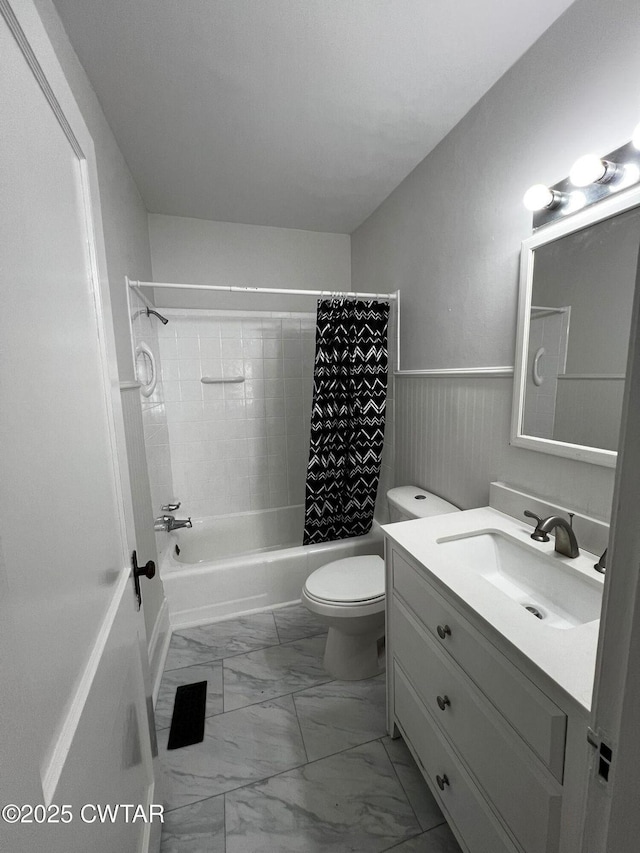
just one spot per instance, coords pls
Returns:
(206, 578)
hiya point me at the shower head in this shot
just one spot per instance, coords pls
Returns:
(162, 319)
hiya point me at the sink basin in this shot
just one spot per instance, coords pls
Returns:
(558, 594)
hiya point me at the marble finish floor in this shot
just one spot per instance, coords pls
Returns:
(292, 760)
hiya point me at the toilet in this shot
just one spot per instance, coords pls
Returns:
(349, 595)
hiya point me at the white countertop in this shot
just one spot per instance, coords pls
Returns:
(567, 656)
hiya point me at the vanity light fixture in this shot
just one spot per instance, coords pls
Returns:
(541, 197)
(591, 169)
(597, 177)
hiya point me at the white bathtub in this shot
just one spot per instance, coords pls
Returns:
(209, 579)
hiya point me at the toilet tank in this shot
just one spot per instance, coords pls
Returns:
(409, 502)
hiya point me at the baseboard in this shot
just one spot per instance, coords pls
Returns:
(158, 647)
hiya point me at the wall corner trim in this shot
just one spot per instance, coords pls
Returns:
(450, 372)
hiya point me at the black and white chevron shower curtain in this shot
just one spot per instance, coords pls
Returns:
(347, 420)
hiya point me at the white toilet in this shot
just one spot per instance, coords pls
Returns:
(348, 595)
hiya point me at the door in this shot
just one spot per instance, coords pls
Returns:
(75, 726)
(612, 817)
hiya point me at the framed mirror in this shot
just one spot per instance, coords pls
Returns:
(577, 282)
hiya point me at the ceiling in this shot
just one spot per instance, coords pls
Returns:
(292, 113)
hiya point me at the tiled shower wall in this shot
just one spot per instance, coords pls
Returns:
(237, 446)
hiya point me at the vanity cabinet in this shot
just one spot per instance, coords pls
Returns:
(490, 742)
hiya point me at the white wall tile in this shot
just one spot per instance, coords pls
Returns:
(244, 446)
(188, 348)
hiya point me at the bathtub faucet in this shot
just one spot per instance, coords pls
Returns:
(169, 523)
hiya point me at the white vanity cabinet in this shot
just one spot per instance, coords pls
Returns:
(501, 754)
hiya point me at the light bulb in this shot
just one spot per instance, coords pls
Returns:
(591, 169)
(538, 197)
(635, 139)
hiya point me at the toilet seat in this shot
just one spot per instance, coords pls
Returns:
(352, 582)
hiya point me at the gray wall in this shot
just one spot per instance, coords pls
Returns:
(199, 251)
(126, 234)
(449, 236)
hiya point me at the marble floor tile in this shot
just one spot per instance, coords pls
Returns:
(438, 840)
(273, 672)
(198, 828)
(341, 714)
(296, 622)
(239, 747)
(174, 678)
(351, 802)
(221, 639)
(417, 791)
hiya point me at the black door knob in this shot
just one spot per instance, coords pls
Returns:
(442, 781)
(443, 701)
(147, 571)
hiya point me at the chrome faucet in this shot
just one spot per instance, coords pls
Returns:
(566, 542)
(169, 523)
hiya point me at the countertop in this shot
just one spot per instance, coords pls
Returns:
(567, 656)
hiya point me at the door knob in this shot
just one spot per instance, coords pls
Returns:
(147, 571)
(443, 701)
(442, 781)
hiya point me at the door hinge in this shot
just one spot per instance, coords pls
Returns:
(605, 753)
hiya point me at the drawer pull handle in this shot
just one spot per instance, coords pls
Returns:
(443, 701)
(443, 630)
(442, 781)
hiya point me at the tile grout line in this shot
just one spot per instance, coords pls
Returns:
(291, 693)
(304, 744)
(404, 790)
(411, 838)
(261, 701)
(281, 773)
(251, 651)
(224, 821)
(223, 703)
(422, 831)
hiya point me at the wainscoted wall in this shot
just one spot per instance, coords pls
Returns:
(452, 437)
(450, 239)
(238, 447)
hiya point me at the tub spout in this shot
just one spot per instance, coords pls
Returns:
(169, 523)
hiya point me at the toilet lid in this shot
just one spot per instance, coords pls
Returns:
(354, 579)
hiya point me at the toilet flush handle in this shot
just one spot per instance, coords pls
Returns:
(443, 631)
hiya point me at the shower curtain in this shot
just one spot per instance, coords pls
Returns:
(347, 419)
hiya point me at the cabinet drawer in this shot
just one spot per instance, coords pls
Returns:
(535, 717)
(460, 800)
(523, 792)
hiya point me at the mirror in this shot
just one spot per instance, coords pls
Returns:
(577, 281)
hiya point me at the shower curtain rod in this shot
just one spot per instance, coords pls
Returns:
(283, 290)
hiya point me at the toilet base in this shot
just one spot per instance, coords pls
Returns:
(352, 657)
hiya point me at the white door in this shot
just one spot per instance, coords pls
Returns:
(612, 818)
(75, 727)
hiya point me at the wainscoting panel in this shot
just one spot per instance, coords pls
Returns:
(452, 437)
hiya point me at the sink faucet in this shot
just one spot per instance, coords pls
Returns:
(169, 523)
(566, 542)
(601, 565)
